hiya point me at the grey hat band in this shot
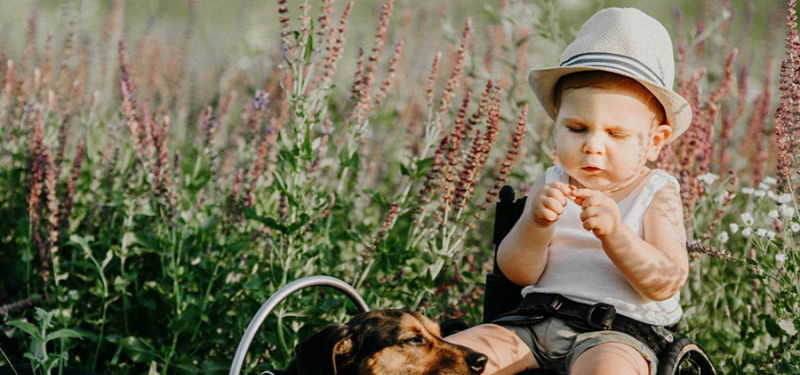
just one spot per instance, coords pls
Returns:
(626, 64)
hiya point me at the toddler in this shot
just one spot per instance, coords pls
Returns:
(600, 245)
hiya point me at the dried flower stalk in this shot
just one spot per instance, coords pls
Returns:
(511, 158)
(385, 227)
(788, 112)
(431, 82)
(365, 85)
(457, 68)
(69, 196)
(697, 248)
(387, 81)
(335, 43)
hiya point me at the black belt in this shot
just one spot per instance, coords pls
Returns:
(585, 318)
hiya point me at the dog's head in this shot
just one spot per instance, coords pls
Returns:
(384, 342)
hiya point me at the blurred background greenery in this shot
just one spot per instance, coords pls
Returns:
(242, 32)
(194, 60)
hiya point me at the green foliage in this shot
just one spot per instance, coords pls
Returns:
(744, 299)
(44, 362)
(200, 190)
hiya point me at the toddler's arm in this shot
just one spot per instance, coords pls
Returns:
(522, 255)
(656, 265)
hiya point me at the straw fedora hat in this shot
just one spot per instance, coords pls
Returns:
(624, 41)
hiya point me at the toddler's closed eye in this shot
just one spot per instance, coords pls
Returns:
(576, 129)
(616, 134)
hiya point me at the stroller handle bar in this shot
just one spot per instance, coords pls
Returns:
(278, 297)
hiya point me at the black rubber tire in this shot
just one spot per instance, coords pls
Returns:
(682, 351)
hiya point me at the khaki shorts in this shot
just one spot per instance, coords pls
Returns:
(555, 345)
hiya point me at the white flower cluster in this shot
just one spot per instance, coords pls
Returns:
(748, 224)
(784, 212)
(765, 190)
(708, 178)
(721, 197)
(747, 231)
(233, 278)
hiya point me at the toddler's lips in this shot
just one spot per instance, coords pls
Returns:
(591, 169)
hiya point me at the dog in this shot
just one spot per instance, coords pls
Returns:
(383, 342)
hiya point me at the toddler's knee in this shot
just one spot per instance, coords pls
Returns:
(610, 359)
(507, 353)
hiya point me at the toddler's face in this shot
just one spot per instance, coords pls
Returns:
(605, 136)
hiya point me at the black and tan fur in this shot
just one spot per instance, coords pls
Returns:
(384, 342)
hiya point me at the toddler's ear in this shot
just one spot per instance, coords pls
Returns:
(658, 139)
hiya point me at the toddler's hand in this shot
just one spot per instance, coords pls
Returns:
(600, 213)
(549, 203)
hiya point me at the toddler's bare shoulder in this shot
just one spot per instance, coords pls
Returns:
(665, 208)
(667, 193)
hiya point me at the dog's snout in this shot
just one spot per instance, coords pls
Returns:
(476, 362)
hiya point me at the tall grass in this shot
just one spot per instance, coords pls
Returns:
(150, 203)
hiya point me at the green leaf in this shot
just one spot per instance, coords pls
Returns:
(65, 333)
(144, 208)
(187, 320)
(772, 326)
(82, 242)
(304, 218)
(44, 317)
(268, 221)
(786, 325)
(198, 168)
(187, 367)
(138, 350)
(404, 170)
(289, 156)
(210, 222)
(28, 328)
(120, 283)
(355, 160)
(423, 165)
(309, 48)
(128, 239)
(108, 258)
(435, 268)
(279, 182)
(308, 151)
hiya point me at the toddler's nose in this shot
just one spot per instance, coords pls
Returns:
(593, 145)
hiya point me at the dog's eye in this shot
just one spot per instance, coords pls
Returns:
(414, 341)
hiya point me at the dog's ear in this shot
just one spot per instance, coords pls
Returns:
(325, 352)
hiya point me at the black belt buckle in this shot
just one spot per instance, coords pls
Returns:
(601, 316)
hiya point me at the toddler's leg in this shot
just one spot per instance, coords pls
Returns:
(611, 358)
(507, 353)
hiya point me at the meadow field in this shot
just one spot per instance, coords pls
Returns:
(165, 166)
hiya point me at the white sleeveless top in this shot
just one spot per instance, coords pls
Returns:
(579, 269)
